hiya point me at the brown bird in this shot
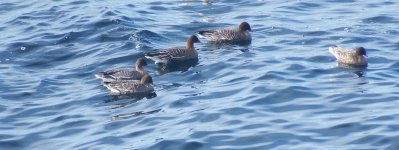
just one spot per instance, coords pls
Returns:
(124, 73)
(239, 35)
(176, 54)
(354, 57)
(131, 87)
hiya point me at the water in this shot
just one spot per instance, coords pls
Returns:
(284, 91)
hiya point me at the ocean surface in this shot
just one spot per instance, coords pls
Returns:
(284, 91)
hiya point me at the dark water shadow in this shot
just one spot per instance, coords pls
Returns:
(359, 71)
(133, 114)
(241, 46)
(121, 101)
(173, 66)
(351, 66)
(133, 97)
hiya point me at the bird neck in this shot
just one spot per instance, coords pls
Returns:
(240, 30)
(139, 68)
(146, 80)
(190, 44)
(143, 81)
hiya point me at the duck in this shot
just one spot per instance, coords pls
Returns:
(131, 87)
(175, 55)
(239, 35)
(124, 73)
(356, 57)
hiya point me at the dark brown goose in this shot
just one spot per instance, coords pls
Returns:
(354, 57)
(131, 87)
(124, 73)
(176, 54)
(239, 35)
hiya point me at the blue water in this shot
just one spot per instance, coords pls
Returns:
(284, 91)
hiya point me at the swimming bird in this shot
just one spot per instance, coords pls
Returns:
(124, 73)
(131, 87)
(176, 55)
(239, 35)
(350, 57)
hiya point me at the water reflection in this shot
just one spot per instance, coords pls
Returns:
(359, 71)
(133, 114)
(243, 47)
(132, 97)
(343, 65)
(204, 2)
(353, 78)
(174, 66)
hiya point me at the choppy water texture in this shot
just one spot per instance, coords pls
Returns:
(284, 91)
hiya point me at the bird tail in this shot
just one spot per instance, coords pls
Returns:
(155, 53)
(203, 33)
(156, 56)
(332, 50)
(100, 75)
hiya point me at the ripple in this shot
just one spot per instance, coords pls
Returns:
(178, 144)
(144, 36)
(282, 96)
(282, 91)
(106, 22)
(380, 19)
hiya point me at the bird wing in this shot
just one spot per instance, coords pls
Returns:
(220, 35)
(123, 86)
(343, 55)
(177, 53)
(120, 74)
